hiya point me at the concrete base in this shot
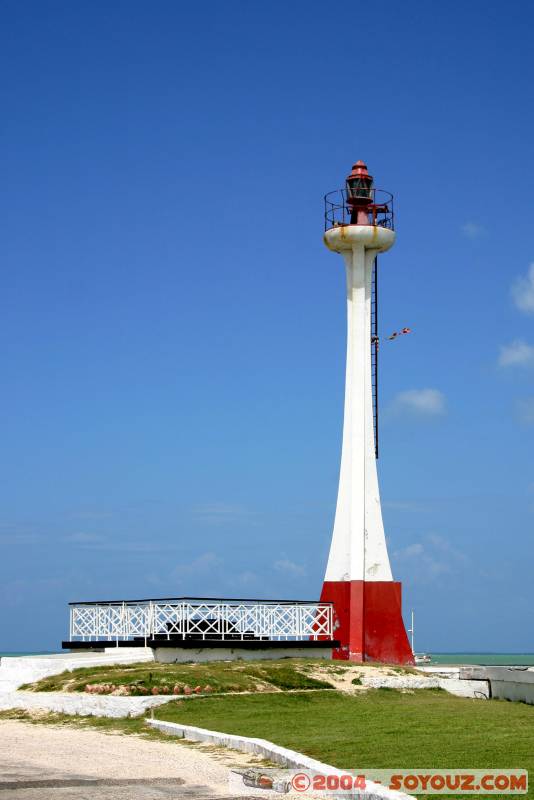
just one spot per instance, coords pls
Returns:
(368, 621)
(180, 655)
(477, 690)
(18, 670)
(507, 683)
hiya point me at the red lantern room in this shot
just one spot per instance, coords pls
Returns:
(359, 194)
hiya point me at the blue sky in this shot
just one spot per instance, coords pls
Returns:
(172, 328)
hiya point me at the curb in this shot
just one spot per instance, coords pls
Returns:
(271, 751)
(80, 704)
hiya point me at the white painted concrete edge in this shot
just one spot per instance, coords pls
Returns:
(18, 670)
(271, 751)
(476, 689)
(80, 704)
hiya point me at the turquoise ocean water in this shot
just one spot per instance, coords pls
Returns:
(486, 659)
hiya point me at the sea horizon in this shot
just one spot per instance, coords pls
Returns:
(483, 658)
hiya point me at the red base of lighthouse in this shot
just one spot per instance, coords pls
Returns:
(368, 621)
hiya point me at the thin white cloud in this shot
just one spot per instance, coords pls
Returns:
(220, 513)
(21, 538)
(412, 550)
(91, 515)
(525, 410)
(523, 291)
(201, 565)
(114, 544)
(430, 558)
(516, 354)
(248, 578)
(420, 402)
(290, 567)
(444, 545)
(404, 506)
(154, 579)
(473, 230)
(80, 537)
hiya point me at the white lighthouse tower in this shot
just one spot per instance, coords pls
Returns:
(358, 580)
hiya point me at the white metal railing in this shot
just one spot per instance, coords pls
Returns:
(200, 619)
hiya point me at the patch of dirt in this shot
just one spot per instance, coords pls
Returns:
(342, 676)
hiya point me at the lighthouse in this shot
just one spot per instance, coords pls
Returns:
(358, 581)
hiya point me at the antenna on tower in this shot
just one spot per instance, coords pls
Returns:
(375, 342)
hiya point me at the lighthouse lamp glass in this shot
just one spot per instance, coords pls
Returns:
(359, 187)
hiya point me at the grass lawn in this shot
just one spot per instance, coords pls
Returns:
(222, 676)
(380, 728)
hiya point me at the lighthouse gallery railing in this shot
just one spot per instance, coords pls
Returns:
(337, 210)
(191, 618)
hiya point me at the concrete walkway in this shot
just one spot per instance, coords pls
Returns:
(47, 762)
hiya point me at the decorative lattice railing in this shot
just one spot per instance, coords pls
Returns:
(188, 618)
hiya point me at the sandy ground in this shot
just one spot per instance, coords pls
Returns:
(341, 677)
(40, 761)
